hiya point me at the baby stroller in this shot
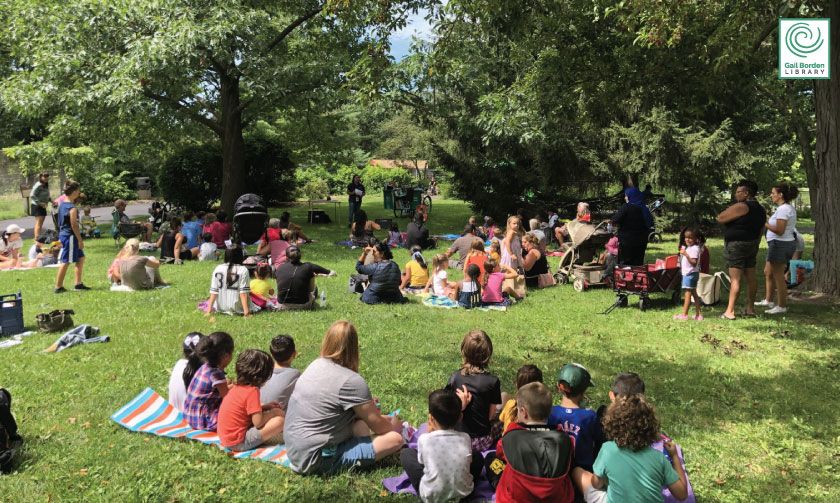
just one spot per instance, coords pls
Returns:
(655, 208)
(159, 213)
(579, 265)
(250, 219)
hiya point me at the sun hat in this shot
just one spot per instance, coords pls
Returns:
(14, 229)
(576, 376)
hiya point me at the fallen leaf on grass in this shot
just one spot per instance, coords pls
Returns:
(720, 482)
(83, 472)
(71, 420)
(739, 345)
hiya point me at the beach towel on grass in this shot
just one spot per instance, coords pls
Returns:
(447, 303)
(150, 413)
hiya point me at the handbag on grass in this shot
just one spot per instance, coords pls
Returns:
(546, 280)
(517, 284)
(54, 321)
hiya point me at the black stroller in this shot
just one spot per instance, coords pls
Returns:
(159, 213)
(250, 219)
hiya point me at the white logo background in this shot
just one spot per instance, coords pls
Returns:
(801, 54)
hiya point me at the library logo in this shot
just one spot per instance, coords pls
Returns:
(804, 48)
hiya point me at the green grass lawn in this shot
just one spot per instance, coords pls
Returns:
(11, 206)
(756, 415)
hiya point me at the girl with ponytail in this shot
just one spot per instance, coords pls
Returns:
(209, 384)
(416, 274)
(184, 370)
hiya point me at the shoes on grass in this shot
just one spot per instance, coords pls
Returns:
(60, 289)
(765, 303)
(776, 310)
(81, 287)
(698, 317)
(680, 317)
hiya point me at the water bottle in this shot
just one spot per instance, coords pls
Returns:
(323, 302)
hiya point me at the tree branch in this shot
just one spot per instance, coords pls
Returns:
(289, 29)
(187, 111)
(772, 25)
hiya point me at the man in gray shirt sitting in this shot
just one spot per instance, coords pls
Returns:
(462, 246)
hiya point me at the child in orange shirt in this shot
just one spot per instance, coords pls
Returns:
(245, 423)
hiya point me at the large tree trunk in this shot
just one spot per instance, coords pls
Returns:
(826, 209)
(233, 144)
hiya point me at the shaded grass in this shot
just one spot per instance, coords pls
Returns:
(758, 424)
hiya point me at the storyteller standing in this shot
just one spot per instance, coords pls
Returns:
(356, 191)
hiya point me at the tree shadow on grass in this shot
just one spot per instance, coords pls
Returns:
(704, 398)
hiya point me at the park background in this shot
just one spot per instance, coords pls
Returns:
(514, 105)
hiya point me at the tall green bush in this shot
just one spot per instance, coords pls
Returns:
(192, 177)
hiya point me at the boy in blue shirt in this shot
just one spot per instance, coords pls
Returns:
(70, 235)
(580, 423)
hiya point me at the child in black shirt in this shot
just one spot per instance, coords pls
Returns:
(479, 390)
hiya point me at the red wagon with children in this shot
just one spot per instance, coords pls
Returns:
(661, 277)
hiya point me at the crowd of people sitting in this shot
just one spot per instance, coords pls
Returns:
(498, 266)
(525, 446)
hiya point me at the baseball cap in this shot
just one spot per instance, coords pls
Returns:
(14, 228)
(576, 376)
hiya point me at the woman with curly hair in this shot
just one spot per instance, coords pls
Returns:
(627, 468)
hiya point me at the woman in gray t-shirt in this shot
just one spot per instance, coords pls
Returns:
(331, 413)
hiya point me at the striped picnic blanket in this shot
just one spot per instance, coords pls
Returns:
(149, 412)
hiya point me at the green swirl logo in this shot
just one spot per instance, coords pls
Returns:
(800, 39)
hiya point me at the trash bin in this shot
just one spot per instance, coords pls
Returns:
(144, 187)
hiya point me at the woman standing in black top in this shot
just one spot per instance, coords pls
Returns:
(634, 225)
(743, 223)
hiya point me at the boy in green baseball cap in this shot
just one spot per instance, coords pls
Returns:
(581, 423)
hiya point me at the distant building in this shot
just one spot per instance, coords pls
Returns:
(418, 168)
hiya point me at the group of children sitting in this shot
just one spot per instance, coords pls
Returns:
(526, 447)
(247, 413)
(483, 283)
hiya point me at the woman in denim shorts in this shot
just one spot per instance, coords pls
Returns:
(743, 223)
(781, 244)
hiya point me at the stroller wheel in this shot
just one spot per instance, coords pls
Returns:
(655, 237)
(561, 278)
(622, 301)
(644, 303)
(579, 285)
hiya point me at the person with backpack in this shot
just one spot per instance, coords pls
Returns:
(10, 440)
(533, 461)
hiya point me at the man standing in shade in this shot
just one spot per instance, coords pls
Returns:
(356, 191)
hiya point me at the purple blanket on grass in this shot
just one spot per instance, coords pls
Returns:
(401, 485)
(484, 492)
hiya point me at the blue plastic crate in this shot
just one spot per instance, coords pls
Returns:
(11, 314)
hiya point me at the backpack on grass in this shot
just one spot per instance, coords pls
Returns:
(10, 441)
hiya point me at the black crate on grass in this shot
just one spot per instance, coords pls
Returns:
(11, 314)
